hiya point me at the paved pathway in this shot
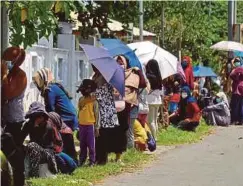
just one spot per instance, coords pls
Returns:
(215, 161)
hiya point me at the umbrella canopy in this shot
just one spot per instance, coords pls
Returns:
(228, 46)
(147, 50)
(117, 47)
(238, 54)
(107, 66)
(201, 71)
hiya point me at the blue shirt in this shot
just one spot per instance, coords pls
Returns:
(57, 101)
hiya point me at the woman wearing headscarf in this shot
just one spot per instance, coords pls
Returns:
(14, 82)
(58, 100)
(134, 80)
(219, 113)
(154, 96)
(106, 142)
(187, 67)
(188, 115)
(44, 140)
(236, 104)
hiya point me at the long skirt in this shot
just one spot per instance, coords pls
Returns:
(37, 155)
(236, 106)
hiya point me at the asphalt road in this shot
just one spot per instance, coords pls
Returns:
(215, 161)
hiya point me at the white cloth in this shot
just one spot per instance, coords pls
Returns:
(152, 119)
(154, 97)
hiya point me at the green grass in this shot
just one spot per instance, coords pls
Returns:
(82, 176)
(132, 159)
(173, 136)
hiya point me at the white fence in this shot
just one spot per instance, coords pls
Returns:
(69, 67)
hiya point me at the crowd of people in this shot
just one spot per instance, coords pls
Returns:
(104, 120)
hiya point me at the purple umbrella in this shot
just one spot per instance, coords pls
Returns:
(107, 66)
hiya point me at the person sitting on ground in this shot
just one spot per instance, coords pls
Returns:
(188, 115)
(174, 98)
(88, 115)
(219, 113)
(141, 130)
(205, 99)
(44, 140)
(65, 163)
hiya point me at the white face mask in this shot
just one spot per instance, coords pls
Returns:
(184, 95)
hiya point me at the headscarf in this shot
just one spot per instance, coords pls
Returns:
(124, 61)
(42, 77)
(56, 120)
(189, 72)
(190, 98)
(223, 97)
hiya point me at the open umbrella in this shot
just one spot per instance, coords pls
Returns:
(107, 66)
(147, 50)
(201, 71)
(228, 46)
(117, 47)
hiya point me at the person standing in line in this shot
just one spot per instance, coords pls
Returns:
(186, 64)
(154, 96)
(14, 82)
(88, 115)
(106, 141)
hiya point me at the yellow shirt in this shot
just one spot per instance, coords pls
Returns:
(140, 132)
(87, 111)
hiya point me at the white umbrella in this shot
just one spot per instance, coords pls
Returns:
(228, 46)
(147, 50)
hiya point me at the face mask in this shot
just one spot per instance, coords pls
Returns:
(184, 95)
(9, 65)
(218, 100)
(184, 64)
(237, 64)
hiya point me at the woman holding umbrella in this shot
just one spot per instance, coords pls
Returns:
(106, 141)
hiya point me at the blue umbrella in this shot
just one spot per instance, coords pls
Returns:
(201, 71)
(117, 47)
(238, 54)
(107, 66)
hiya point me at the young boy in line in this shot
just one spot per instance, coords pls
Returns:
(88, 116)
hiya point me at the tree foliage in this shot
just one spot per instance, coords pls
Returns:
(30, 20)
(190, 26)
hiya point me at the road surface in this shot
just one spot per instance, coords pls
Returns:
(215, 161)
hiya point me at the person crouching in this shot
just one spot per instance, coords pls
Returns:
(88, 116)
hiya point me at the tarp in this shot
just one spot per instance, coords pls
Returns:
(201, 71)
(117, 47)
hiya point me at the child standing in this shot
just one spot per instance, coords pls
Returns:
(88, 116)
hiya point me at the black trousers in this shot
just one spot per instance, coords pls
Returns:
(15, 156)
(179, 122)
(15, 130)
(69, 146)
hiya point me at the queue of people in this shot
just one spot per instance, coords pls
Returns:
(105, 121)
